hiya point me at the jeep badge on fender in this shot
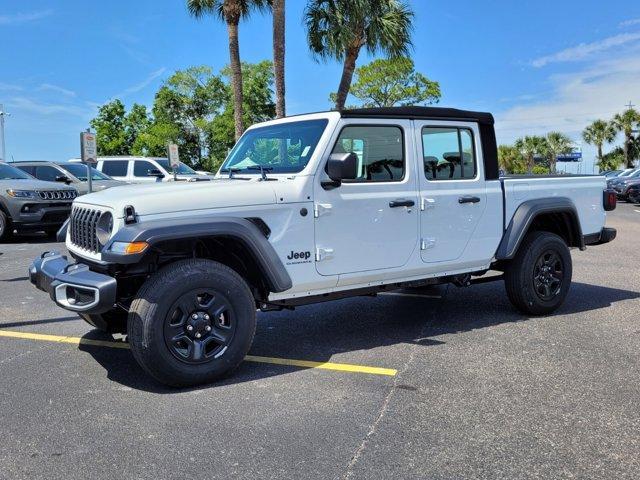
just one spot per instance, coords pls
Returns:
(401, 197)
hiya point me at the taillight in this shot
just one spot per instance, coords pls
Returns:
(609, 200)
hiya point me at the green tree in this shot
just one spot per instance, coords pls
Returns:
(393, 81)
(557, 143)
(612, 160)
(510, 159)
(278, 55)
(599, 133)
(136, 123)
(109, 125)
(231, 12)
(339, 29)
(530, 146)
(626, 122)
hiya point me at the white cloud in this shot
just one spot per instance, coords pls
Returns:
(23, 104)
(10, 87)
(20, 18)
(585, 50)
(57, 89)
(576, 99)
(630, 23)
(142, 85)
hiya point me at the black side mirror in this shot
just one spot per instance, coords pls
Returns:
(341, 166)
(64, 179)
(154, 172)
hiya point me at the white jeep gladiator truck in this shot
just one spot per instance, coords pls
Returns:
(313, 208)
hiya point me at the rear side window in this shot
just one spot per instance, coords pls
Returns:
(116, 168)
(141, 168)
(380, 151)
(448, 153)
(29, 169)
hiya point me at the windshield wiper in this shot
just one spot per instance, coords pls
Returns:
(263, 171)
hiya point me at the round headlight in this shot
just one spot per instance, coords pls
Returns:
(104, 228)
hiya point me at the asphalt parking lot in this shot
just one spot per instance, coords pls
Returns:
(465, 388)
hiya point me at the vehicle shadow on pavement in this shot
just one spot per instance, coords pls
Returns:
(32, 238)
(324, 331)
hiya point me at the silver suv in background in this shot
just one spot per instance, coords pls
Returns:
(71, 173)
(27, 204)
(145, 170)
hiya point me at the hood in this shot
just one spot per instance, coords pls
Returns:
(170, 197)
(32, 184)
(98, 185)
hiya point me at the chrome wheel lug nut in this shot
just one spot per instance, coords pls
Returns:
(198, 335)
(208, 328)
(206, 317)
(189, 327)
(194, 316)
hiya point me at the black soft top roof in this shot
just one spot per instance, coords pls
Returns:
(420, 112)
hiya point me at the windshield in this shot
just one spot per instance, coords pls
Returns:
(182, 168)
(284, 148)
(626, 173)
(11, 173)
(79, 171)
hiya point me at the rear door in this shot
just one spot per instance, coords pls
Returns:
(370, 223)
(117, 169)
(452, 188)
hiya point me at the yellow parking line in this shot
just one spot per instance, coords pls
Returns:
(341, 367)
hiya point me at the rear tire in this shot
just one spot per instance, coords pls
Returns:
(191, 323)
(538, 278)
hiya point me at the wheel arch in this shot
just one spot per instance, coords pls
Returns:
(239, 243)
(556, 215)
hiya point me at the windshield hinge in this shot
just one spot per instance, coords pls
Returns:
(323, 253)
(321, 209)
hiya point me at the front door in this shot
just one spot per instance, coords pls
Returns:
(452, 188)
(370, 223)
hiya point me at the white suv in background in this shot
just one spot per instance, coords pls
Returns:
(145, 170)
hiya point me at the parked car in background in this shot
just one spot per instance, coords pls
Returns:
(145, 170)
(27, 204)
(633, 193)
(620, 184)
(611, 173)
(70, 173)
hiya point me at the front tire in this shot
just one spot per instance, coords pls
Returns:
(192, 322)
(538, 278)
(5, 226)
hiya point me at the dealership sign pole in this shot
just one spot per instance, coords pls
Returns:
(88, 154)
(174, 159)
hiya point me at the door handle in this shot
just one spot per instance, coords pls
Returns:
(468, 199)
(401, 203)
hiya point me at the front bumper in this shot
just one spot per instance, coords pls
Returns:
(32, 215)
(72, 285)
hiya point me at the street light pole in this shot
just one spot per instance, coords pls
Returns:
(2, 115)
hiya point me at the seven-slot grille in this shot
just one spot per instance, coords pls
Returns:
(82, 228)
(57, 194)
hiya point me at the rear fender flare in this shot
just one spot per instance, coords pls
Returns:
(525, 215)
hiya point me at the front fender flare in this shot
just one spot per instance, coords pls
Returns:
(524, 216)
(155, 231)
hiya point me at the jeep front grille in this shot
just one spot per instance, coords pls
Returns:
(57, 194)
(82, 228)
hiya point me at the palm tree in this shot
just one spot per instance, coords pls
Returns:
(231, 12)
(340, 28)
(626, 122)
(510, 159)
(557, 144)
(278, 55)
(529, 147)
(599, 133)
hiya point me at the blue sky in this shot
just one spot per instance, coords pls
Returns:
(536, 65)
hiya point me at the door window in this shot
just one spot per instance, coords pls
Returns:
(380, 151)
(141, 168)
(117, 168)
(47, 173)
(448, 153)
